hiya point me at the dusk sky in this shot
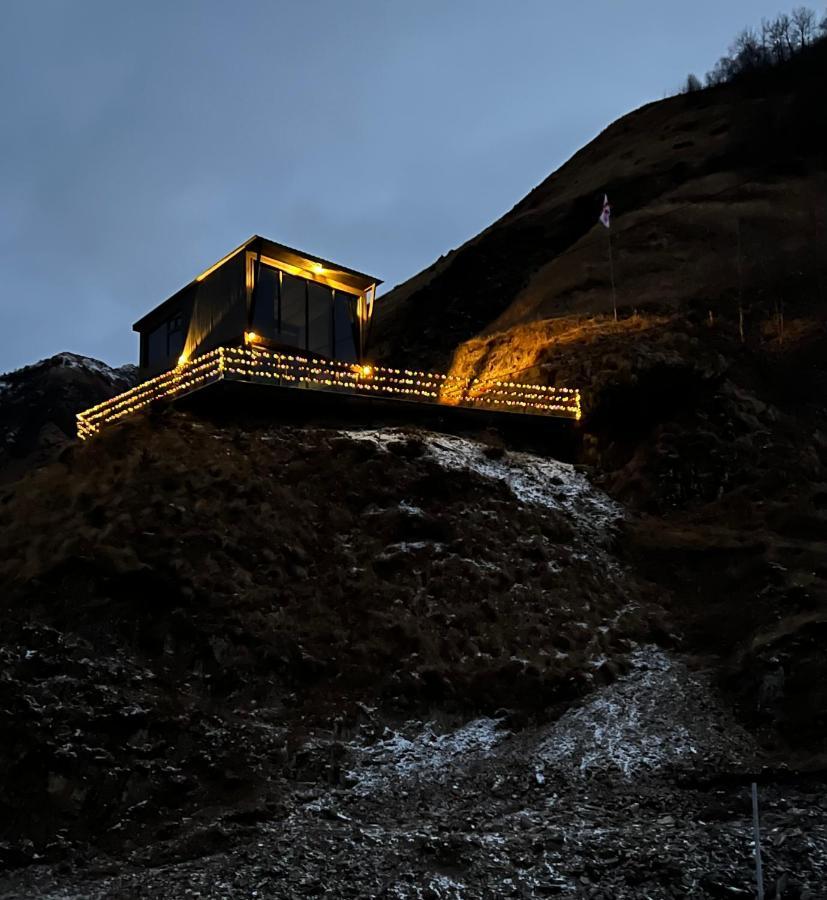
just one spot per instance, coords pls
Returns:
(142, 141)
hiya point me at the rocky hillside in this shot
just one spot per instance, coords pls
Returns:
(704, 404)
(263, 660)
(242, 657)
(38, 405)
(186, 605)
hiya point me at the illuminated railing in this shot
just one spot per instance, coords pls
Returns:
(295, 370)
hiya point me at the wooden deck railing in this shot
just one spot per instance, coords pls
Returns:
(298, 371)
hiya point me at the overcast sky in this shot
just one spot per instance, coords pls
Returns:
(143, 140)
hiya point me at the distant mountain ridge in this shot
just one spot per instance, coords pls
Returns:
(38, 404)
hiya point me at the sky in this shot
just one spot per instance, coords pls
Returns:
(142, 141)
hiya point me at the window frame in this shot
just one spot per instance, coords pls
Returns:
(340, 293)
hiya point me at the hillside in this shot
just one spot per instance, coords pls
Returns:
(38, 405)
(186, 605)
(704, 404)
(247, 657)
(307, 660)
(680, 174)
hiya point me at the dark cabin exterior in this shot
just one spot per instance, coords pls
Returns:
(267, 294)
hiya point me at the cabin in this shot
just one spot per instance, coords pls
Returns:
(266, 294)
(268, 315)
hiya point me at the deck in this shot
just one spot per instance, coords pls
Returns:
(297, 372)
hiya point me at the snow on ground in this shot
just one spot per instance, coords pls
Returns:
(660, 716)
(73, 361)
(428, 755)
(532, 479)
(128, 371)
(435, 887)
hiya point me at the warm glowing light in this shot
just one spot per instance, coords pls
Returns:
(182, 359)
(251, 337)
(293, 369)
(318, 268)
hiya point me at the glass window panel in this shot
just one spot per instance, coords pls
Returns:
(176, 323)
(176, 344)
(177, 336)
(156, 345)
(344, 318)
(293, 311)
(265, 316)
(320, 317)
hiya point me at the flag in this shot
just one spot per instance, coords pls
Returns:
(606, 215)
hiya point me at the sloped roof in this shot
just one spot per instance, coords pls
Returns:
(358, 281)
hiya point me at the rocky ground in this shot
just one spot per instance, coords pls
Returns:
(187, 606)
(243, 658)
(639, 791)
(718, 451)
(270, 661)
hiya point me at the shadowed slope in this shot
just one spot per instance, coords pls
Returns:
(680, 174)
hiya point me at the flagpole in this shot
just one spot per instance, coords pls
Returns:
(612, 273)
(606, 222)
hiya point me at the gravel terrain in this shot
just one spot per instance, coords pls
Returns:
(651, 804)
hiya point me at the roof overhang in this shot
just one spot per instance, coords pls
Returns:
(297, 261)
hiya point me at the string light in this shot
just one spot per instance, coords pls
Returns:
(252, 363)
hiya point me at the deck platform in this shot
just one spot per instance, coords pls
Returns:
(300, 387)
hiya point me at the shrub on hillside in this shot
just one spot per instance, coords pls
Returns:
(775, 43)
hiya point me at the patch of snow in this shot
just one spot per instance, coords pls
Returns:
(482, 564)
(657, 715)
(129, 372)
(442, 886)
(433, 887)
(531, 479)
(413, 547)
(410, 509)
(73, 361)
(426, 755)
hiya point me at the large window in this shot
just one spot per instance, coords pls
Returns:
(344, 326)
(156, 345)
(305, 314)
(176, 336)
(166, 342)
(265, 318)
(293, 311)
(320, 318)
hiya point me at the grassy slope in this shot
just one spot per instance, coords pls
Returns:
(169, 580)
(164, 583)
(720, 443)
(679, 172)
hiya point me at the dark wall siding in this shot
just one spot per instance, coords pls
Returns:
(219, 314)
(214, 312)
